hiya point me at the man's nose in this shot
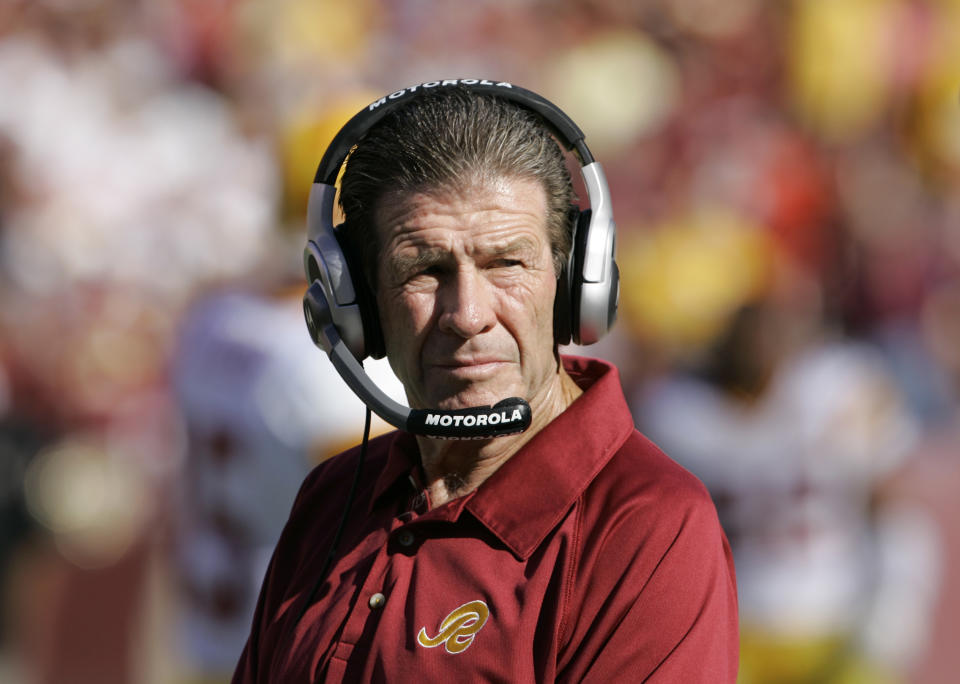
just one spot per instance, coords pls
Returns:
(466, 304)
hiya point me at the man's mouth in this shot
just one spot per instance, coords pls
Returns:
(470, 367)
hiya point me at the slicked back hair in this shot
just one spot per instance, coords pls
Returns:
(452, 139)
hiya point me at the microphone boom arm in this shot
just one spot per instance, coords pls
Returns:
(506, 417)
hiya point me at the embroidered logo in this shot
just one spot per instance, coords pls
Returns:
(457, 629)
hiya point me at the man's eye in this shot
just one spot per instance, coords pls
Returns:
(506, 263)
(427, 272)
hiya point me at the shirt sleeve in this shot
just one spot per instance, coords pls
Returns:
(247, 667)
(657, 603)
(250, 667)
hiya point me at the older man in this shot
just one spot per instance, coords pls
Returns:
(572, 551)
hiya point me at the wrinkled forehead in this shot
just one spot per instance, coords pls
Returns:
(492, 200)
(477, 193)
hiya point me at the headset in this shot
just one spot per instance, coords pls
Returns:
(339, 307)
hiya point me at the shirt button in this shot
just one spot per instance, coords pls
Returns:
(405, 538)
(377, 600)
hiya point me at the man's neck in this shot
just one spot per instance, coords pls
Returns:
(453, 468)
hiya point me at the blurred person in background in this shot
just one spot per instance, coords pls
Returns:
(804, 416)
(248, 383)
(111, 220)
(934, 480)
(797, 439)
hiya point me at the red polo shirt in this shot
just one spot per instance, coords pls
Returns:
(588, 556)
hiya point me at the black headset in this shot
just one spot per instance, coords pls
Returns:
(340, 309)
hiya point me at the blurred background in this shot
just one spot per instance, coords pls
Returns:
(786, 181)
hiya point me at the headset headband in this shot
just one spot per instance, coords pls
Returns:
(560, 124)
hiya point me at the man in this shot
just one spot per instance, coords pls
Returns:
(573, 551)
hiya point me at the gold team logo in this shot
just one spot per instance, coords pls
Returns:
(457, 629)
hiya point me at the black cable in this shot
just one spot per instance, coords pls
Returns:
(332, 554)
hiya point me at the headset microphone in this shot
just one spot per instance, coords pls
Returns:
(507, 417)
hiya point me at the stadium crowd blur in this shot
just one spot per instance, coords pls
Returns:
(786, 182)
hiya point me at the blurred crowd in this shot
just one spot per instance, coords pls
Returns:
(786, 182)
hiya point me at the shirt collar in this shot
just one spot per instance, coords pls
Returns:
(402, 457)
(530, 493)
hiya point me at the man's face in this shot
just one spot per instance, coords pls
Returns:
(465, 292)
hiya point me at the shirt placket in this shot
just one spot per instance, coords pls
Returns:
(372, 597)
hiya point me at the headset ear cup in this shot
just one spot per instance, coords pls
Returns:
(577, 256)
(561, 308)
(562, 303)
(613, 304)
(373, 343)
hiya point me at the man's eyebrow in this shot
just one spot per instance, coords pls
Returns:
(514, 246)
(407, 263)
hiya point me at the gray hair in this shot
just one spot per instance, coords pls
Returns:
(448, 139)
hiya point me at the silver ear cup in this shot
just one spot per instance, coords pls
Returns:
(325, 263)
(598, 299)
(597, 285)
(344, 314)
(316, 311)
